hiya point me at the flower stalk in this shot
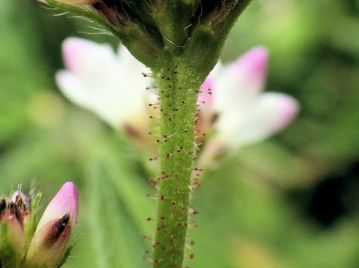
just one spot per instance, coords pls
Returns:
(178, 97)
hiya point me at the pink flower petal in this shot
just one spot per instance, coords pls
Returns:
(240, 82)
(252, 67)
(205, 97)
(73, 50)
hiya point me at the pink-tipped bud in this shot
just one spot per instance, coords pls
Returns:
(48, 245)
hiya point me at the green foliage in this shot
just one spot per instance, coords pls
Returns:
(244, 206)
(117, 238)
(30, 227)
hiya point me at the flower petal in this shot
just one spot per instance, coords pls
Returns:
(242, 80)
(72, 88)
(267, 115)
(81, 54)
(205, 97)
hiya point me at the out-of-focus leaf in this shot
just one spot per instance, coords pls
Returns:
(117, 241)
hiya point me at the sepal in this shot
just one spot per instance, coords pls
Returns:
(144, 43)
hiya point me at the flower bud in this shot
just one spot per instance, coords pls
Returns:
(23, 205)
(15, 226)
(48, 245)
(14, 215)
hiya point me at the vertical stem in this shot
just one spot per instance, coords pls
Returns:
(178, 95)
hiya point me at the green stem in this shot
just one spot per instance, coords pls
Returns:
(178, 94)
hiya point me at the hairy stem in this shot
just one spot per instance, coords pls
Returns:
(178, 94)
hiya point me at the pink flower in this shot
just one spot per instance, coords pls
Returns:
(244, 114)
(48, 245)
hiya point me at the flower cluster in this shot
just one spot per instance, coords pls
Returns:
(26, 242)
(231, 105)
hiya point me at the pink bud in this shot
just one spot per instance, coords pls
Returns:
(65, 202)
(48, 245)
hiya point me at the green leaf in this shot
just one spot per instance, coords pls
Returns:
(117, 240)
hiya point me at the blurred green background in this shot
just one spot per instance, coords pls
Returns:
(291, 201)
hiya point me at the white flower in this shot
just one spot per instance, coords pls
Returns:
(246, 115)
(110, 85)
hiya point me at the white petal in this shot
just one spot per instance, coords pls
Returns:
(258, 120)
(109, 84)
(72, 88)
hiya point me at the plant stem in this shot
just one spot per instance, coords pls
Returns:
(178, 94)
